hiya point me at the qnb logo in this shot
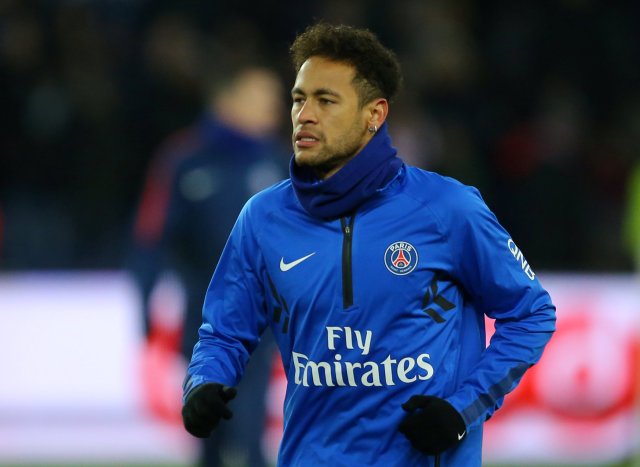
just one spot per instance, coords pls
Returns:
(401, 258)
(517, 254)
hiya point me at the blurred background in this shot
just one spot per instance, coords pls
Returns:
(535, 103)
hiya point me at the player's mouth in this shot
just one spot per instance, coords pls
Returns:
(305, 139)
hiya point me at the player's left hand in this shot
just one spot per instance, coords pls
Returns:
(432, 424)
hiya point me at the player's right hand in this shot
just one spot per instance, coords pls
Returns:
(204, 408)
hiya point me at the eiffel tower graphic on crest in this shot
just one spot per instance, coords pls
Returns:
(400, 261)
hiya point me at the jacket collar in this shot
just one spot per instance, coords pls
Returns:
(360, 178)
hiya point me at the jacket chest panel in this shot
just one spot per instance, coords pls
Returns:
(320, 276)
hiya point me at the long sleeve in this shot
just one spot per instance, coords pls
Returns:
(502, 285)
(233, 314)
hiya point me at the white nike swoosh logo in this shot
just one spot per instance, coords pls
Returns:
(284, 267)
(460, 436)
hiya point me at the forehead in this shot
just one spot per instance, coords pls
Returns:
(322, 73)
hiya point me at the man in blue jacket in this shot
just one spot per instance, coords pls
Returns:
(375, 278)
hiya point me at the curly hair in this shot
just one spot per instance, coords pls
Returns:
(378, 71)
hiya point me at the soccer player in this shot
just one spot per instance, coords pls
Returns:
(375, 278)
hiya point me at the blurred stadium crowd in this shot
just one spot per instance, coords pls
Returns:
(535, 103)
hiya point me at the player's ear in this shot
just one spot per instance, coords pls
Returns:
(377, 111)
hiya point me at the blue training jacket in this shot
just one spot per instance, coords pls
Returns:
(372, 309)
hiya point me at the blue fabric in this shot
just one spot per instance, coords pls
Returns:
(347, 189)
(349, 370)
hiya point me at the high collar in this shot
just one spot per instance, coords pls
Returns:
(358, 180)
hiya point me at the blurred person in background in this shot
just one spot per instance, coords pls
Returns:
(375, 278)
(196, 186)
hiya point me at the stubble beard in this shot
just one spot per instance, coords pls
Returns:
(330, 157)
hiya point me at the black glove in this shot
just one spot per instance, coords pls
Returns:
(432, 425)
(204, 408)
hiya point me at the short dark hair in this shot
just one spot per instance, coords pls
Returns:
(377, 68)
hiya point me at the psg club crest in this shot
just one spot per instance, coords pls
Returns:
(401, 258)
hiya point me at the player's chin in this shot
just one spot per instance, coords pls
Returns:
(305, 157)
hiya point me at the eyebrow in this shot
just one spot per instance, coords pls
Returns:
(317, 92)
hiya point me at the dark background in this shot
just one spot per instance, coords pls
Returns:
(536, 103)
